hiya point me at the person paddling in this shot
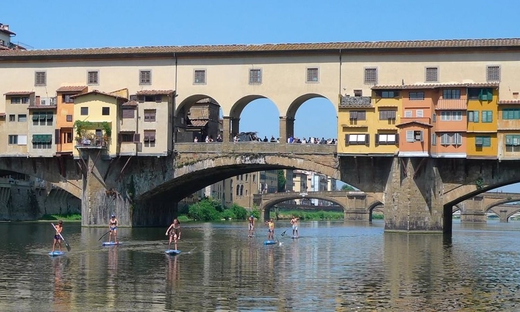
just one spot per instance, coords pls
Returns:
(57, 237)
(251, 220)
(294, 222)
(270, 230)
(174, 231)
(112, 226)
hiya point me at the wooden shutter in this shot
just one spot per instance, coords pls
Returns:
(57, 136)
(346, 139)
(158, 98)
(377, 138)
(137, 137)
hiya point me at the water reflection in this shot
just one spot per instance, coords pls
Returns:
(333, 267)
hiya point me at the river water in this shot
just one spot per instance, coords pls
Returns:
(333, 266)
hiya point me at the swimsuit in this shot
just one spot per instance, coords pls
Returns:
(113, 225)
(57, 237)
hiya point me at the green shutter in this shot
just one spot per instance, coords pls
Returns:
(42, 116)
(36, 138)
(47, 138)
(49, 116)
(36, 117)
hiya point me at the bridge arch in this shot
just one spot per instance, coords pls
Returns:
(371, 207)
(266, 206)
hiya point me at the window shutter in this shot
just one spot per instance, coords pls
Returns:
(377, 138)
(141, 99)
(367, 139)
(409, 136)
(57, 136)
(158, 98)
(421, 136)
(346, 139)
(397, 138)
(137, 137)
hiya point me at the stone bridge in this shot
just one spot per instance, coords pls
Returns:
(476, 208)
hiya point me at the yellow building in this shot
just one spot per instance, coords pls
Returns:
(96, 123)
(482, 140)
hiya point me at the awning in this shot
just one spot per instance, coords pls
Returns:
(42, 138)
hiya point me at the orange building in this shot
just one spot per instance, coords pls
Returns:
(65, 118)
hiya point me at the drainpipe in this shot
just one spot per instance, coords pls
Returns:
(174, 103)
(340, 63)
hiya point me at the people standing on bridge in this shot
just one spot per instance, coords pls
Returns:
(112, 226)
(174, 231)
(251, 221)
(294, 222)
(57, 236)
(270, 229)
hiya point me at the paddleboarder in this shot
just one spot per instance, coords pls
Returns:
(270, 230)
(112, 226)
(294, 222)
(57, 237)
(251, 220)
(174, 231)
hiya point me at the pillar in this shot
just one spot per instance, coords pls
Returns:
(355, 209)
(226, 130)
(286, 128)
(413, 196)
(473, 210)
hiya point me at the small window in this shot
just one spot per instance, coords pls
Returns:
(431, 74)
(312, 74)
(483, 141)
(145, 77)
(12, 117)
(358, 92)
(416, 96)
(408, 113)
(414, 136)
(451, 94)
(127, 137)
(22, 118)
(255, 76)
(67, 98)
(473, 116)
(493, 73)
(13, 139)
(16, 100)
(389, 94)
(92, 78)
(69, 118)
(149, 138)
(128, 113)
(387, 114)
(105, 111)
(200, 76)
(84, 111)
(358, 115)
(487, 116)
(149, 115)
(40, 79)
(370, 75)
(419, 113)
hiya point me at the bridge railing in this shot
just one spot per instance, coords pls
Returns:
(255, 147)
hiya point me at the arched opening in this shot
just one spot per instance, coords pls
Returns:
(198, 119)
(260, 118)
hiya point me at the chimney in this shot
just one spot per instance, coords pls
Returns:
(5, 27)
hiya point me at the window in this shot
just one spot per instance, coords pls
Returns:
(105, 111)
(200, 76)
(149, 138)
(451, 94)
(312, 74)
(12, 117)
(42, 141)
(408, 113)
(487, 116)
(67, 137)
(22, 118)
(127, 137)
(84, 111)
(482, 94)
(451, 138)
(255, 76)
(434, 117)
(356, 139)
(145, 77)
(493, 73)
(388, 94)
(473, 116)
(13, 139)
(431, 74)
(419, 113)
(512, 143)
(40, 79)
(511, 113)
(16, 100)
(387, 114)
(416, 96)
(414, 136)
(483, 141)
(149, 115)
(128, 113)
(358, 92)
(370, 75)
(67, 98)
(386, 139)
(358, 115)
(92, 78)
(451, 115)
(42, 118)
(434, 139)
(69, 118)
(150, 98)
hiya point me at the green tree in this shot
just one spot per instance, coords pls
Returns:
(204, 210)
(281, 181)
(347, 187)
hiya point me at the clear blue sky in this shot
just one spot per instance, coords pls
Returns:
(103, 23)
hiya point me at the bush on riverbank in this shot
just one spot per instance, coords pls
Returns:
(211, 210)
(65, 217)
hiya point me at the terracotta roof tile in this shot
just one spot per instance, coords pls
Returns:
(19, 93)
(198, 123)
(98, 92)
(437, 85)
(283, 47)
(514, 101)
(130, 103)
(71, 88)
(413, 122)
(154, 92)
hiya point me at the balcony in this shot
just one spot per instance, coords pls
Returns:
(355, 101)
(92, 142)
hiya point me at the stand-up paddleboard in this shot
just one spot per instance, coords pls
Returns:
(172, 252)
(111, 243)
(295, 237)
(56, 253)
(270, 242)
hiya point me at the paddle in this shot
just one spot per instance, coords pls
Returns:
(66, 244)
(283, 233)
(104, 235)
